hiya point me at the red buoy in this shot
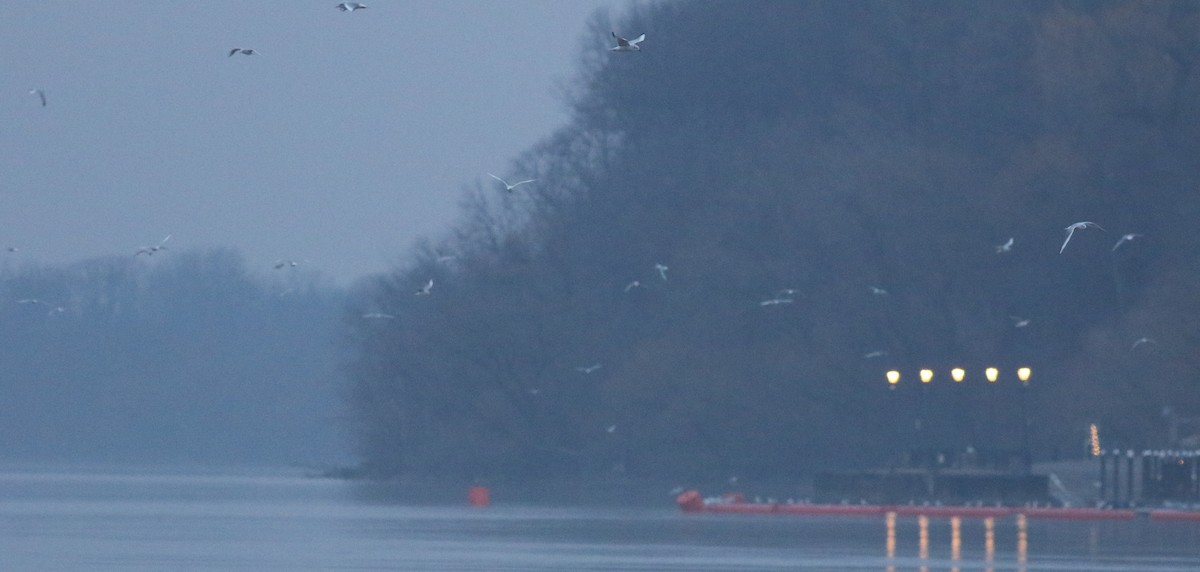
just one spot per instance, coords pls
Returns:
(479, 496)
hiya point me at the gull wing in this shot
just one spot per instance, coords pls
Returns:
(637, 40)
(1070, 231)
(234, 51)
(499, 179)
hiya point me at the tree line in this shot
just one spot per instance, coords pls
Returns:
(864, 161)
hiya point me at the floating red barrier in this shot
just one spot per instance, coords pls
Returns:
(1069, 513)
(1175, 515)
(692, 501)
(831, 509)
(951, 511)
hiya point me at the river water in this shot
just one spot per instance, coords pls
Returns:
(53, 520)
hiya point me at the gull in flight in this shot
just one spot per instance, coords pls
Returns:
(1071, 232)
(1124, 239)
(243, 51)
(426, 288)
(53, 309)
(351, 6)
(588, 369)
(509, 187)
(446, 258)
(378, 316)
(624, 45)
(41, 95)
(1019, 322)
(874, 354)
(632, 285)
(1006, 247)
(611, 429)
(776, 301)
(878, 291)
(150, 250)
(662, 270)
(1140, 341)
(787, 292)
(285, 263)
(12, 249)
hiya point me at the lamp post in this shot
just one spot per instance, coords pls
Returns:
(1023, 374)
(922, 438)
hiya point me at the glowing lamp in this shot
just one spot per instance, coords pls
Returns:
(893, 377)
(991, 373)
(958, 374)
(1023, 374)
(926, 375)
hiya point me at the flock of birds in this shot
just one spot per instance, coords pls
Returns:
(623, 45)
(782, 297)
(1007, 247)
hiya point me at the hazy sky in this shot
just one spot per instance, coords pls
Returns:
(348, 137)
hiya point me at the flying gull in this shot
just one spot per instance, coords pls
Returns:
(662, 270)
(624, 45)
(351, 6)
(632, 285)
(1019, 322)
(1140, 341)
(243, 51)
(150, 250)
(1125, 238)
(878, 291)
(776, 301)
(588, 369)
(41, 95)
(53, 309)
(285, 263)
(1071, 232)
(509, 187)
(378, 316)
(426, 288)
(874, 354)
(1006, 247)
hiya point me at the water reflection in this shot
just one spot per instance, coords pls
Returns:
(955, 542)
(923, 550)
(926, 546)
(1022, 542)
(891, 541)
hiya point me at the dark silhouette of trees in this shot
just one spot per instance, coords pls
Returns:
(824, 148)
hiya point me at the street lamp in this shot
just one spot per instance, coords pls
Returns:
(893, 378)
(991, 373)
(926, 375)
(1023, 375)
(957, 374)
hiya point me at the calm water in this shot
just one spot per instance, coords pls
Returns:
(113, 521)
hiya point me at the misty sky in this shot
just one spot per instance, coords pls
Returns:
(348, 137)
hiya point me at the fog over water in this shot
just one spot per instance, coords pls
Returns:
(267, 303)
